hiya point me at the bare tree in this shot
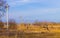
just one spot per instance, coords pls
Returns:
(3, 7)
(12, 24)
(1, 24)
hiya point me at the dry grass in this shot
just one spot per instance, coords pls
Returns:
(38, 30)
(33, 35)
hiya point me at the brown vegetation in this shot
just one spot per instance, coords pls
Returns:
(32, 27)
(30, 30)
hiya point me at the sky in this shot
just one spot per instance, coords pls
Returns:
(32, 10)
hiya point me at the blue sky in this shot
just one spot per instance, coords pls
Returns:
(31, 10)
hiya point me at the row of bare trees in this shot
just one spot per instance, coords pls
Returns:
(12, 24)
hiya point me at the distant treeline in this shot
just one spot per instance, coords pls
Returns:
(12, 23)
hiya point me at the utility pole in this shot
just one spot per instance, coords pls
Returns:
(7, 14)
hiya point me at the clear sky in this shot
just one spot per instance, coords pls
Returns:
(31, 10)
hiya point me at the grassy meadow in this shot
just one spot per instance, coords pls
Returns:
(32, 35)
(30, 30)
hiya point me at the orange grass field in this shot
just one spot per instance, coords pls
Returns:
(39, 27)
(34, 30)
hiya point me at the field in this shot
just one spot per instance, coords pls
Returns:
(31, 35)
(34, 30)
